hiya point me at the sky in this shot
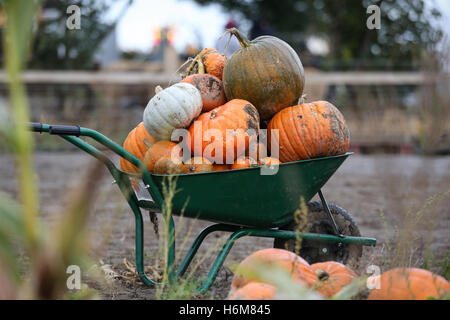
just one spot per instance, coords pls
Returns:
(190, 20)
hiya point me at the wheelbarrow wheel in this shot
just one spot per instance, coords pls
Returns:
(318, 222)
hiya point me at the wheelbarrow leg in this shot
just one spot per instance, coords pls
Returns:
(197, 243)
(221, 258)
(126, 189)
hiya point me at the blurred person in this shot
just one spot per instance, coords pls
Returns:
(226, 45)
(260, 28)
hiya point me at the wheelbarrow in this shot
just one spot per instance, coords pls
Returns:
(242, 202)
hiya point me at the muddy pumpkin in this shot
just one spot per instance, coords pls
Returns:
(307, 131)
(265, 71)
(211, 90)
(227, 130)
(135, 143)
(409, 284)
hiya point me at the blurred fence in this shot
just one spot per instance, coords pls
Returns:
(390, 111)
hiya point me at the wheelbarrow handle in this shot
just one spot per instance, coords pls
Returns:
(56, 130)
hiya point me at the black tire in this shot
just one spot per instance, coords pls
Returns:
(318, 222)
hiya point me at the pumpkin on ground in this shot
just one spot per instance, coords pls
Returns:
(309, 130)
(135, 143)
(254, 291)
(296, 266)
(244, 162)
(211, 90)
(169, 165)
(332, 276)
(199, 164)
(409, 284)
(161, 149)
(172, 108)
(227, 130)
(265, 71)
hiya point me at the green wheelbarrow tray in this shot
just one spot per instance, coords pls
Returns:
(246, 197)
(244, 202)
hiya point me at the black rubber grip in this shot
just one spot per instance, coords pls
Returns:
(65, 130)
(35, 127)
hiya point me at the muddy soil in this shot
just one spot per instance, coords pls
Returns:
(369, 187)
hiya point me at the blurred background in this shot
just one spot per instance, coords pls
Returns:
(391, 84)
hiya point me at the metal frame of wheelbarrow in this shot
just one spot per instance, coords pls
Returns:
(72, 134)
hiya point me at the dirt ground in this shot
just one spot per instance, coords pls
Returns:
(365, 185)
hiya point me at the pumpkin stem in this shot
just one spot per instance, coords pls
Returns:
(322, 275)
(302, 99)
(243, 41)
(197, 61)
(158, 89)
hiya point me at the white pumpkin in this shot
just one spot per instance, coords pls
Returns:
(174, 107)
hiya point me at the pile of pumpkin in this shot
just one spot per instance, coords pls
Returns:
(259, 87)
(329, 278)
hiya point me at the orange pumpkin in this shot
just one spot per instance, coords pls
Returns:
(254, 291)
(244, 162)
(211, 90)
(221, 167)
(161, 149)
(309, 130)
(209, 60)
(332, 276)
(296, 266)
(169, 165)
(135, 143)
(228, 129)
(199, 164)
(409, 284)
(269, 161)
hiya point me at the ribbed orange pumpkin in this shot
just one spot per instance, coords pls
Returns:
(232, 121)
(254, 291)
(134, 143)
(211, 90)
(160, 150)
(298, 268)
(309, 130)
(409, 284)
(332, 276)
(199, 164)
(244, 162)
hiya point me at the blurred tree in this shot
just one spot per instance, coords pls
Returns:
(407, 29)
(57, 47)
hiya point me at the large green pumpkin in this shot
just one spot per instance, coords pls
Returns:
(266, 72)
